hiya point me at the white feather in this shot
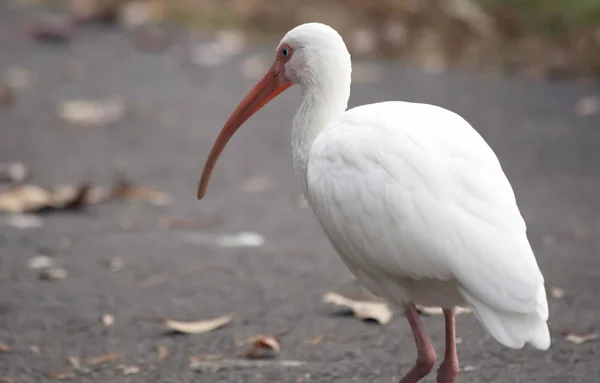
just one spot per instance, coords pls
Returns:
(410, 194)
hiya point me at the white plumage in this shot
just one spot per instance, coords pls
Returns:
(411, 197)
(419, 209)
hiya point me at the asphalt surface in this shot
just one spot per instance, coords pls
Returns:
(175, 111)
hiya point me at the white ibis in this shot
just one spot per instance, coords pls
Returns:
(411, 197)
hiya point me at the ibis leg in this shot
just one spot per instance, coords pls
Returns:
(425, 351)
(448, 370)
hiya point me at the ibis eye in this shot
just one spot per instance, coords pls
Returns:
(285, 52)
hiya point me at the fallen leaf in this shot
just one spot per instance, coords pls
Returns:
(377, 311)
(115, 264)
(162, 352)
(126, 191)
(199, 326)
(128, 370)
(256, 184)
(432, 311)
(587, 106)
(34, 199)
(103, 359)
(23, 221)
(107, 319)
(264, 347)
(61, 375)
(92, 113)
(40, 262)
(5, 348)
(244, 239)
(579, 339)
(35, 349)
(314, 341)
(7, 379)
(468, 368)
(53, 274)
(18, 78)
(76, 364)
(557, 292)
(74, 361)
(51, 28)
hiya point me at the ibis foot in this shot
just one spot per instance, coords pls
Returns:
(425, 351)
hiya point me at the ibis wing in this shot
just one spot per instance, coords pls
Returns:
(413, 191)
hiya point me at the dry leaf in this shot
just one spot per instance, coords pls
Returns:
(51, 28)
(162, 352)
(432, 311)
(579, 339)
(107, 319)
(314, 341)
(13, 172)
(33, 199)
(74, 361)
(18, 78)
(24, 221)
(53, 274)
(76, 364)
(40, 262)
(7, 379)
(129, 370)
(587, 106)
(92, 113)
(61, 375)
(5, 348)
(557, 292)
(264, 347)
(256, 184)
(199, 326)
(115, 264)
(126, 191)
(244, 239)
(35, 349)
(377, 311)
(103, 359)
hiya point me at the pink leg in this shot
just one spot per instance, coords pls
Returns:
(425, 352)
(448, 370)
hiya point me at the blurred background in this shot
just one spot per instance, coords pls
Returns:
(109, 108)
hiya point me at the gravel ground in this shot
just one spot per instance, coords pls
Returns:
(174, 111)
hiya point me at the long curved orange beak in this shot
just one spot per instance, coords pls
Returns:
(272, 84)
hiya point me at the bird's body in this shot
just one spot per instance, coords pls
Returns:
(411, 197)
(421, 211)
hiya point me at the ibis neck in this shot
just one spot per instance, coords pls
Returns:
(321, 103)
